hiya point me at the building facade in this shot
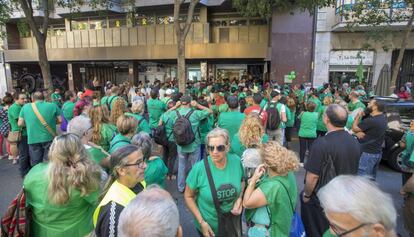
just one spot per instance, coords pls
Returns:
(339, 52)
(116, 45)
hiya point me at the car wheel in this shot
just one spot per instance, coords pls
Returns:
(395, 159)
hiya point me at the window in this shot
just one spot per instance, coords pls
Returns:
(97, 24)
(257, 22)
(117, 23)
(224, 35)
(79, 25)
(238, 22)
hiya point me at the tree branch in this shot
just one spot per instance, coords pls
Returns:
(190, 15)
(27, 8)
(177, 26)
(45, 24)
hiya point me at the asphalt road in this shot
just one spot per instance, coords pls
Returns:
(389, 181)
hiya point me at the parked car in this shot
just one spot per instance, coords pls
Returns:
(399, 116)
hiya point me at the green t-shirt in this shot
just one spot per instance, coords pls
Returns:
(117, 142)
(317, 102)
(263, 103)
(108, 131)
(206, 125)
(71, 219)
(231, 121)
(223, 108)
(109, 101)
(328, 234)
(155, 109)
(195, 119)
(169, 123)
(36, 132)
(290, 117)
(279, 203)
(156, 172)
(228, 185)
(143, 125)
(321, 125)
(279, 107)
(56, 99)
(96, 154)
(67, 110)
(13, 116)
(308, 123)
(236, 147)
(349, 122)
(354, 106)
(300, 94)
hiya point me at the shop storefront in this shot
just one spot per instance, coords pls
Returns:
(344, 64)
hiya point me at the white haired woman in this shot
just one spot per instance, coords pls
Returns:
(356, 207)
(272, 192)
(82, 127)
(137, 109)
(64, 192)
(227, 175)
(127, 170)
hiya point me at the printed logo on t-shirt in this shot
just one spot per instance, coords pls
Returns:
(226, 193)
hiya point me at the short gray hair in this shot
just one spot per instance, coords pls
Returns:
(152, 212)
(360, 198)
(79, 125)
(218, 132)
(144, 142)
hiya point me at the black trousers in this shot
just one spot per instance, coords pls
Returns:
(24, 158)
(304, 144)
(313, 217)
(169, 157)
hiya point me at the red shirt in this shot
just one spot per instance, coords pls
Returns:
(256, 109)
(403, 95)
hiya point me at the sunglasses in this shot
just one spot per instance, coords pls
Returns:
(219, 148)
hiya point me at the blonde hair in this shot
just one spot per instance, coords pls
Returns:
(251, 131)
(327, 100)
(137, 106)
(117, 110)
(126, 124)
(278, 158)
(218, 132)
(70, 168)
(291, 103)
(98, 115)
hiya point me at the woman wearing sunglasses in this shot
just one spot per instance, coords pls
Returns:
(63, 192)
(226, 174)
(127, 170)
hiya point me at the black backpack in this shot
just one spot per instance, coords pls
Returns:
(183, 133)
(273, 117)
(160, 135)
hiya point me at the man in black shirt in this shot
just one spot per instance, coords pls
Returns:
(337, 146)
(371, 134)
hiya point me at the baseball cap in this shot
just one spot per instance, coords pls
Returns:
(168, 92)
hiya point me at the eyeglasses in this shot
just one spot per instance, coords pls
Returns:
(140, 164)
(339, 234)
(219, 148)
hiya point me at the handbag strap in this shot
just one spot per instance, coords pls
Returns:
(42, 120)
(212, 187)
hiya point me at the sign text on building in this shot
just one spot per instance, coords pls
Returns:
(351, 57)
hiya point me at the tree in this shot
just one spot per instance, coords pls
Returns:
(181, 31)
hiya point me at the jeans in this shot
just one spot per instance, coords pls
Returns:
(277, 135)
(38, 152)
(304, 144)
(24, 158)
(185, 163)
(368, 165)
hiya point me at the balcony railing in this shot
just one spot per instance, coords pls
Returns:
(149, 35)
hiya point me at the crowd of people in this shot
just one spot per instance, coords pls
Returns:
(98, 161)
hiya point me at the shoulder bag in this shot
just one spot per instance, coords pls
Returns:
(229, 225)
(42, 120)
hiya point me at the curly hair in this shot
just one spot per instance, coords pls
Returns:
(118, 109)
(70, 168)
(98, 115)
(251, 131)
(278, 158)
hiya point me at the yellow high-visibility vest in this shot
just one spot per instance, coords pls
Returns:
(118, 193)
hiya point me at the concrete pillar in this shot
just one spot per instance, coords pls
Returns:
(67, 25)
(9, 79)
(70, 77)
(322, 54)
(203, 14)
(203, 70)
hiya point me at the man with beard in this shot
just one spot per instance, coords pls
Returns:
(371, 134)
